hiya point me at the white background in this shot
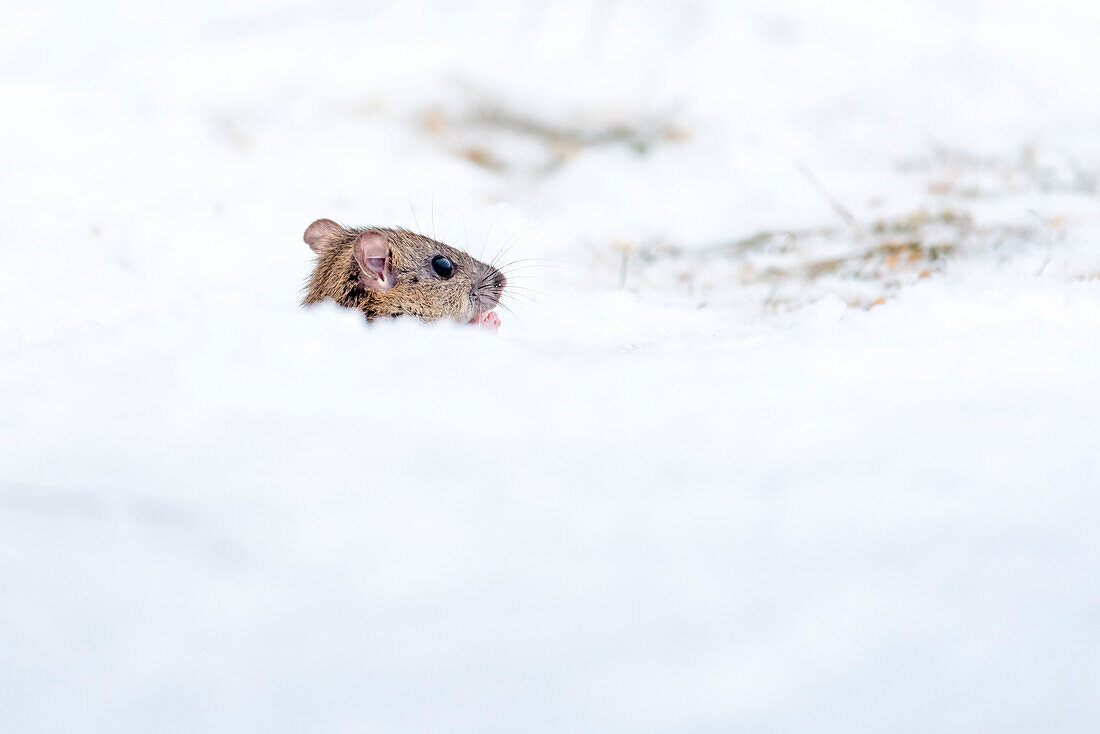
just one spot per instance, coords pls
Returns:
(692, 495)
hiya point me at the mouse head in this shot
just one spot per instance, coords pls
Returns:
(398, 272)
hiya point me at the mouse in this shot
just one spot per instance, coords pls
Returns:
(394, 272)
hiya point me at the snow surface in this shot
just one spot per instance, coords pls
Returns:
(792, 425)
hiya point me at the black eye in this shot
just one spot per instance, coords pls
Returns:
(442, 267)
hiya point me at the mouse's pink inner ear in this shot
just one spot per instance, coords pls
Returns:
(372, 252)
(321, 234)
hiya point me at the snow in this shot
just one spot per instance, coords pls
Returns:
(791, 425)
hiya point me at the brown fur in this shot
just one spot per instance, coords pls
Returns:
(474, 288)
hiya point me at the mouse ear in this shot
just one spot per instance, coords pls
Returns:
(372, 252)
(322, 233)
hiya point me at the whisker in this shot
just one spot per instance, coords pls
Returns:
(537, 259)
(522, 231)
(514, 315)
(525, 304)
(529, 293)
(528, 273)
(519, 281)
(528, 279)
(519, 294)
(526, 291)
(487, 234)
(465, 232)
(531, 263)
(413, 210)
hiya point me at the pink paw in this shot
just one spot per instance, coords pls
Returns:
(487, 319)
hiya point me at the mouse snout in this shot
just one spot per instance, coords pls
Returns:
(488, 288)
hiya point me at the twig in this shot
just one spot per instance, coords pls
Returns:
(839, 208)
